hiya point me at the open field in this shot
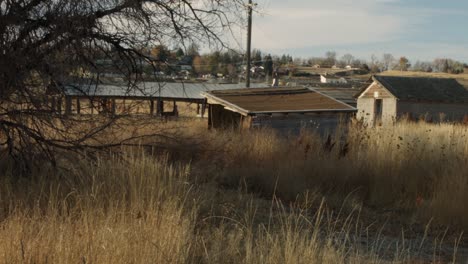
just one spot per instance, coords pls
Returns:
(313, 70)
(393, 195)
(462, 78)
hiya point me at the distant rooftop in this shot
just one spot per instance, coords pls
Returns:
(331, 76)
(276, 100)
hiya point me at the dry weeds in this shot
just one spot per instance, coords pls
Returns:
(250, 197)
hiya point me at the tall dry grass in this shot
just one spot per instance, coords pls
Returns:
(254, 197)
(111, 211)
(144, 210)
(410, 166)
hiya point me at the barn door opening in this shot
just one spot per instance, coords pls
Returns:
(378, 111)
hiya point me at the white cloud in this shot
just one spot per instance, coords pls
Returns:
(334, 23)
(300, 28)
(360, 27)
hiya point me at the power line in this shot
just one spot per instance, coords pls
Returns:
(249, 43)
(234, 63)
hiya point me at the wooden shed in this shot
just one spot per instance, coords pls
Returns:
(389, 98)
(279, 108)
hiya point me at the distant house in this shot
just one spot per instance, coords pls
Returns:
(332, 79)
(387, 99)
(185, 63)
(280, 108)
(186, 67)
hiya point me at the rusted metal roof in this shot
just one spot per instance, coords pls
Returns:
(276, 100)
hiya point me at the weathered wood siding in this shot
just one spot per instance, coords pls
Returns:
(393, 109)
(436, 112)
(366, 111)
(321, 123)
(375, 87)
(366, 105)
(223, 119)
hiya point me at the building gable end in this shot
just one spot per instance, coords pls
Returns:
(376, 86)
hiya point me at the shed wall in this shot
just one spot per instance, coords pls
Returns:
(366, 105)
(321, 123)
(365, 108)
(389, 114)
(222, 118)
(433, 111)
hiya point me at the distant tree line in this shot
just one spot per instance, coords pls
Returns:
(231, 63)
(389, 62)
(385, 63)
(228, 63)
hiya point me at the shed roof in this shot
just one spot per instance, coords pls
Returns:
(277, 100)
(424, 89)
(345, 95)
(150, 89)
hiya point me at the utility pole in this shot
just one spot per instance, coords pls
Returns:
(249, 43)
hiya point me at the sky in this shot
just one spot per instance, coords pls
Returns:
(417, 29)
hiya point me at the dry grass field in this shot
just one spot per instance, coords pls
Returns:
(384, 195)
(313, 70)
(461, 78)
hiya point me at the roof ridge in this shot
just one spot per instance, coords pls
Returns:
(417, 77)
(424, 88)
(385, 84)
(257, 93)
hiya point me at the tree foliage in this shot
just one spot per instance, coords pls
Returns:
(268, 64)
(47, 43)
(347, 59)
(330, 58)
(388, 61)
(179, 53)
(160, 53)
(404, 64)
